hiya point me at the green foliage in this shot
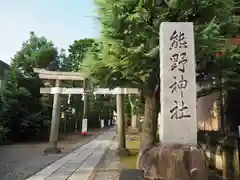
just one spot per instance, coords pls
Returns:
(36, 52)
(231, 74)
(72, 62)
(101, 75)
(3, 129)
(136, 104)
(128, 51)
(3, 132)
(77, 52)
(22, 111)
(222, 72)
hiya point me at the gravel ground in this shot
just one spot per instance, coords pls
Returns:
(108, 167)
(19, 161)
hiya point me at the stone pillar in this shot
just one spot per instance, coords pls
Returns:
(236, 160)
(55, 122)
(224, 163)
(85, 108)
(85, 100)
(121, 134)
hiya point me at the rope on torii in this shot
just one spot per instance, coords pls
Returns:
(57, 90)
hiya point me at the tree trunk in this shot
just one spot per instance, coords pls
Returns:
(149, 126)
(134, 121)
(152, 106)
(133, 114)
(148, 137)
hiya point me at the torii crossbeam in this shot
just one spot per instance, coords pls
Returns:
(57, 90)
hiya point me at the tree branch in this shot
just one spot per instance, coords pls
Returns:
(166, 2)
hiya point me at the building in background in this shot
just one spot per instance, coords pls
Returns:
(4, 69)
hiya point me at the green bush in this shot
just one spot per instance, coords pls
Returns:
(21, 109)
(3, 132)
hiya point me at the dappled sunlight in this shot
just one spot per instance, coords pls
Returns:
(133, 145)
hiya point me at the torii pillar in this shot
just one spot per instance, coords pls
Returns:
(53, 140)
(57, 76)
(121, 133)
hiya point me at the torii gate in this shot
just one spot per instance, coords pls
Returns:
(57, 90)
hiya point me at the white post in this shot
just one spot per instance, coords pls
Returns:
(178, 84)
(85, 108)
(102, 123)
(84, 125)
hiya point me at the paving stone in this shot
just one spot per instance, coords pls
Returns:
(79, 175)
(22, 160)
(80, 163)
(108, 167)
(67, 169)
(37, 177)
(62, 176)
(59, 163)
(85, 170)
(92, 161)
(133, 174)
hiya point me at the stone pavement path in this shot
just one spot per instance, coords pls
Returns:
(109, 166)
(78, 164)
(19, 161)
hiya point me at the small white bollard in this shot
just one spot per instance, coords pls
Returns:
(109, 122)
(84, 125)
(102, 123)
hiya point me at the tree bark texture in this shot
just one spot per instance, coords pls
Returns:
(133, 113)
(152, 105)
(149, 126)
(134, 121)
(175, 162)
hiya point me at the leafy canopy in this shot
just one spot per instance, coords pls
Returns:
(35, 52)
(76, 54)
(21, 110)
(128, 51)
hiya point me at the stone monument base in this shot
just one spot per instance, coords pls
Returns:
(123, 152)
(131, 174)
(174, 162)
(133, 130)
(52, 151)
